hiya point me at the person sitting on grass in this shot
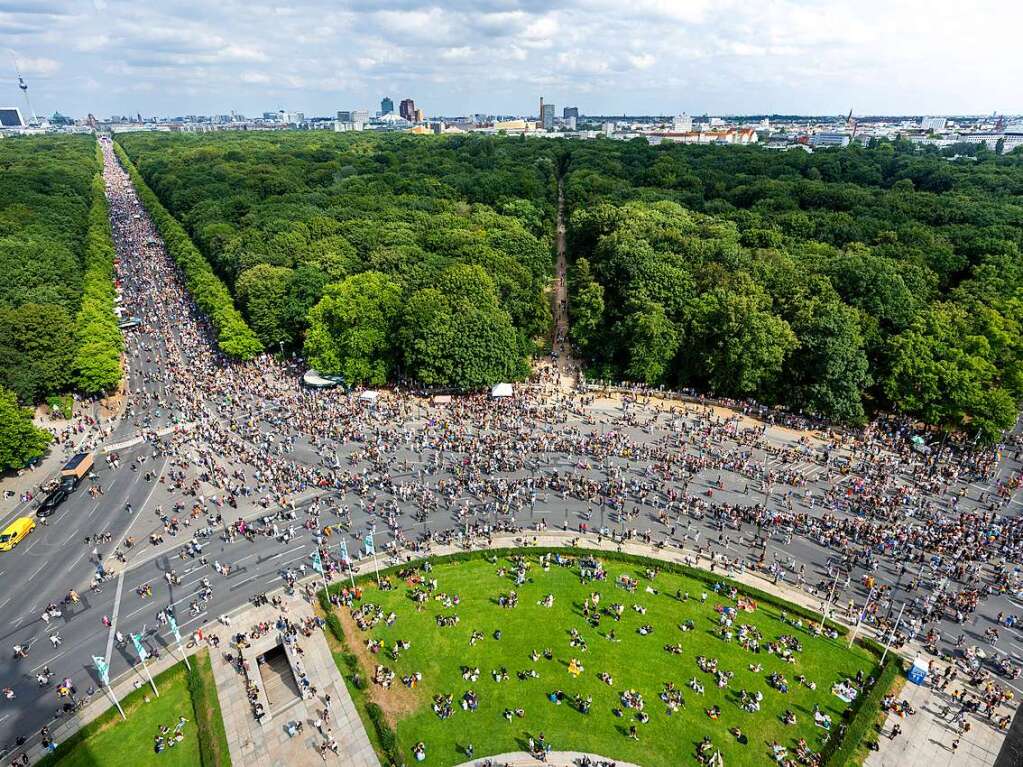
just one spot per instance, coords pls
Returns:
(713, 712)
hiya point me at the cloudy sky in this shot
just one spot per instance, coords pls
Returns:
(177, 57)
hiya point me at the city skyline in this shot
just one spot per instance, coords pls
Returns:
(497, 56)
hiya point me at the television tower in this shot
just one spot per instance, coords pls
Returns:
(24, 91)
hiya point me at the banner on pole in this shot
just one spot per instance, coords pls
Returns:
(137, 641)
(317, 562)
(343, 546)
(103, 668)
(174, 628)
(367, 545)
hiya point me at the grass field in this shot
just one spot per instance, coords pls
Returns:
(634, 661)
(110, 741)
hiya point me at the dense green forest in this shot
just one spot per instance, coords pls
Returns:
(836, 283)
(383, 257)
(57, 327)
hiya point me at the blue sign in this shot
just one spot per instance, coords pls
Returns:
(367, 545)
(344, 551)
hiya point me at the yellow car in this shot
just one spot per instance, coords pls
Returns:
(15, 531)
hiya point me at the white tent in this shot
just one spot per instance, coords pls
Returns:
(501, 390)
(368, 396)
(442, 399)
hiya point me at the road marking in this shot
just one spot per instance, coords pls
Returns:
(38, 570)
(113, 620)
(76, 561)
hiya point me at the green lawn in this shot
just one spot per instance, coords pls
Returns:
(110, 741)
(635, 662)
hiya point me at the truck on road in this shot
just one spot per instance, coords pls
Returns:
(75, 469)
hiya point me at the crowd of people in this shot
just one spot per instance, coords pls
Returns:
(244, 438)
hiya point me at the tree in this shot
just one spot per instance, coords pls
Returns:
(351, 329)
(738, 345)
(20, 440)
(262, 294)
(587, 310)
(37, 341)
(959, 368)
(829, 370)
(652, 340)
(304, 291)
(449, 339)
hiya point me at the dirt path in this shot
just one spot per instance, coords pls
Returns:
(564, 360)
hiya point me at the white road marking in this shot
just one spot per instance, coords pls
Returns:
(113, 619)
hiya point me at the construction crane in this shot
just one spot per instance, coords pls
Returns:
(24, 90)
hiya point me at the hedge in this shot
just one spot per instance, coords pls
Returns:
(98, 340)
(839, 751)
(234, 337)
(213, 748)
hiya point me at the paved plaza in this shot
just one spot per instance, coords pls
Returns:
(267, 743)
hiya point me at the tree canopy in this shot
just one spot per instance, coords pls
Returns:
(288, 219)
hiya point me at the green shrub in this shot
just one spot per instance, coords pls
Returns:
(840, 750)
(234, 337)
(98, 340)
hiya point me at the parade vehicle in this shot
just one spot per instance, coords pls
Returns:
(76, 468)
(128, 324)
(15, 532)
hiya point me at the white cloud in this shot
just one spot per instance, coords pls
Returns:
(458, 56)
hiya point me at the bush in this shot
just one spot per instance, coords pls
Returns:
(839, 750)
(98, 340)
(234, 337)
(213, 748)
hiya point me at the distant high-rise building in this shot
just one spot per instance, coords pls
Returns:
(10, 117)
(386, 105)
(933, 123)
(571, 112)
(548, 117)
(344, 116)
(407, 109)
(682, 123)
(360, 116)
(570, 122)
(418, 115)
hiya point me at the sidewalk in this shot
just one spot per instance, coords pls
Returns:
(927, 738)
(267, 744)
(554, 759)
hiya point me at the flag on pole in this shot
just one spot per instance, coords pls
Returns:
(174, 628)
(367, 544)
(103, 668)
(343, 546)
(317, 562)
(137, 641)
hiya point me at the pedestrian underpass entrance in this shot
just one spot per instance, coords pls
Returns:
(279, 681)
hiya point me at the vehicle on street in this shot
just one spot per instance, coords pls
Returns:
(53, 501)
(129, 323)
(15, 532)
(76, 468)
